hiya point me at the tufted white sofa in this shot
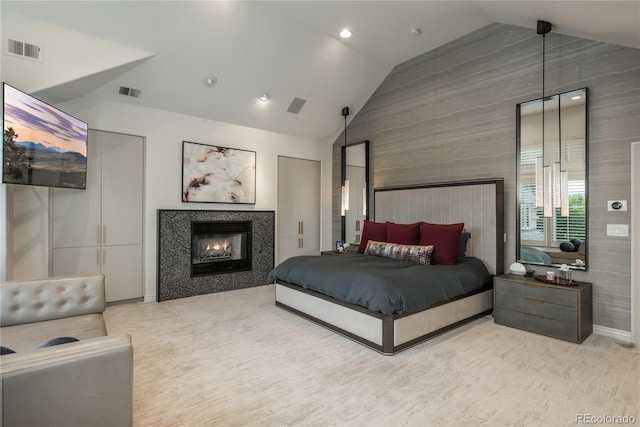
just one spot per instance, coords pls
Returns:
(82, 383)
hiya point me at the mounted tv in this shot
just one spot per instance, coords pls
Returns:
(41, 145)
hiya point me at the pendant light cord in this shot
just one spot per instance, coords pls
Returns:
(543, 99)
(345, 113)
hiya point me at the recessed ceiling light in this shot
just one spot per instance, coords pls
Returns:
(265, 96)
(210, 80)
(346, 33)
(415, 31)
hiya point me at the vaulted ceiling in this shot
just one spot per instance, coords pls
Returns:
(290, 48)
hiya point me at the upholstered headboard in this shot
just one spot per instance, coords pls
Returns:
(479, 204)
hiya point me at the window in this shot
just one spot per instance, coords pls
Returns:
(535, 230)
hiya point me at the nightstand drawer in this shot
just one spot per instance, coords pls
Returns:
(537, 292)
(538, 324)
(537, 307)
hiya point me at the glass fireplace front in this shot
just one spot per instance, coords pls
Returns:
(220, 247)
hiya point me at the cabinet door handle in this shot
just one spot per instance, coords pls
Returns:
(98, 256)
(533, 315)
(104, 256)
(104, 234)
(301, 227)
(357, 225)
(98, 234)
(537, 301)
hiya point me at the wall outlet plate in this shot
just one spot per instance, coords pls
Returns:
(617, 205)
(619, 230)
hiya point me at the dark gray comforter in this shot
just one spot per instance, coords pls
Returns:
(380, 284)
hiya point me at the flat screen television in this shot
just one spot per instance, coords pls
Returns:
(41, 145)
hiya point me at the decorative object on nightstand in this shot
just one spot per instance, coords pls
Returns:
(558, 311)
(517, 269)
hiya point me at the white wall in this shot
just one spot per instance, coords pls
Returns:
(27, 232)
(164, 132)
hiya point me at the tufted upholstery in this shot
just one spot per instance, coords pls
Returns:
(31, 301)
(87, 382)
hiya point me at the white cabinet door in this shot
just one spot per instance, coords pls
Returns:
(298, 207)
(288, 201)
(122, 268)
(309, 207)
(76, 213)
(121, 189)
(76, 261)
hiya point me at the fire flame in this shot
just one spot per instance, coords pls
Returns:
(218, 246)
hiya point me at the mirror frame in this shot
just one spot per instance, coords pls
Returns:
(343, 178)
(518, 178)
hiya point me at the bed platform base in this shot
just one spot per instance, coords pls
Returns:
(386, 334)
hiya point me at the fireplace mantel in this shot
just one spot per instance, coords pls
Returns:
(174, 253)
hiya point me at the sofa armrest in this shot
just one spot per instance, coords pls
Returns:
(87, 382)
(27, 301)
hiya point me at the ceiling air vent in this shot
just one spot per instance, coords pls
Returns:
(296, 105)
(129, 91)
(24, 49)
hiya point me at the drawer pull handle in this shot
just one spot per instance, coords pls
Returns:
(537, 301)
(532, 285)
(533, 315)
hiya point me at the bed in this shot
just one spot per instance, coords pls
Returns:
(394, 324)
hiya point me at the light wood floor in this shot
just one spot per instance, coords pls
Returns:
(234, 359)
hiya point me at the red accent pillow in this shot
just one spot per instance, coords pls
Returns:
(405, 234)
(445, 238)
(372, 231)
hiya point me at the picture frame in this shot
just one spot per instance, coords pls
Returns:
(217, 174)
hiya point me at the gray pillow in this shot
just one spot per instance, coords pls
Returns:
(5, 350)
(576, 243)
(567, 247)
(462, 247)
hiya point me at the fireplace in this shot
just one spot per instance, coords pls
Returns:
(176, 253)
(220, 247)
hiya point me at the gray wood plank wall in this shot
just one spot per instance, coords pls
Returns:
(449, 114)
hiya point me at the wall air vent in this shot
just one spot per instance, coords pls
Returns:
(24, 50)
(129, 91)
(296, 105)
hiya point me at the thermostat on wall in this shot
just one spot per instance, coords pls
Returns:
(617, 205)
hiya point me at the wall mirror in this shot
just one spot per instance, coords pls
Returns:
(355, 190)
(552, 180)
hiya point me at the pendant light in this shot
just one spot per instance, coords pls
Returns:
(344, 206)
(545, 176)
(552, 182)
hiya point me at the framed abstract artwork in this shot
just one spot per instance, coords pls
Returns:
(214, 174)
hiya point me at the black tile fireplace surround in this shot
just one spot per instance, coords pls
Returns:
(243, 258)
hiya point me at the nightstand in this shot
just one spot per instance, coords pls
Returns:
(563, 312)
(332, 253)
